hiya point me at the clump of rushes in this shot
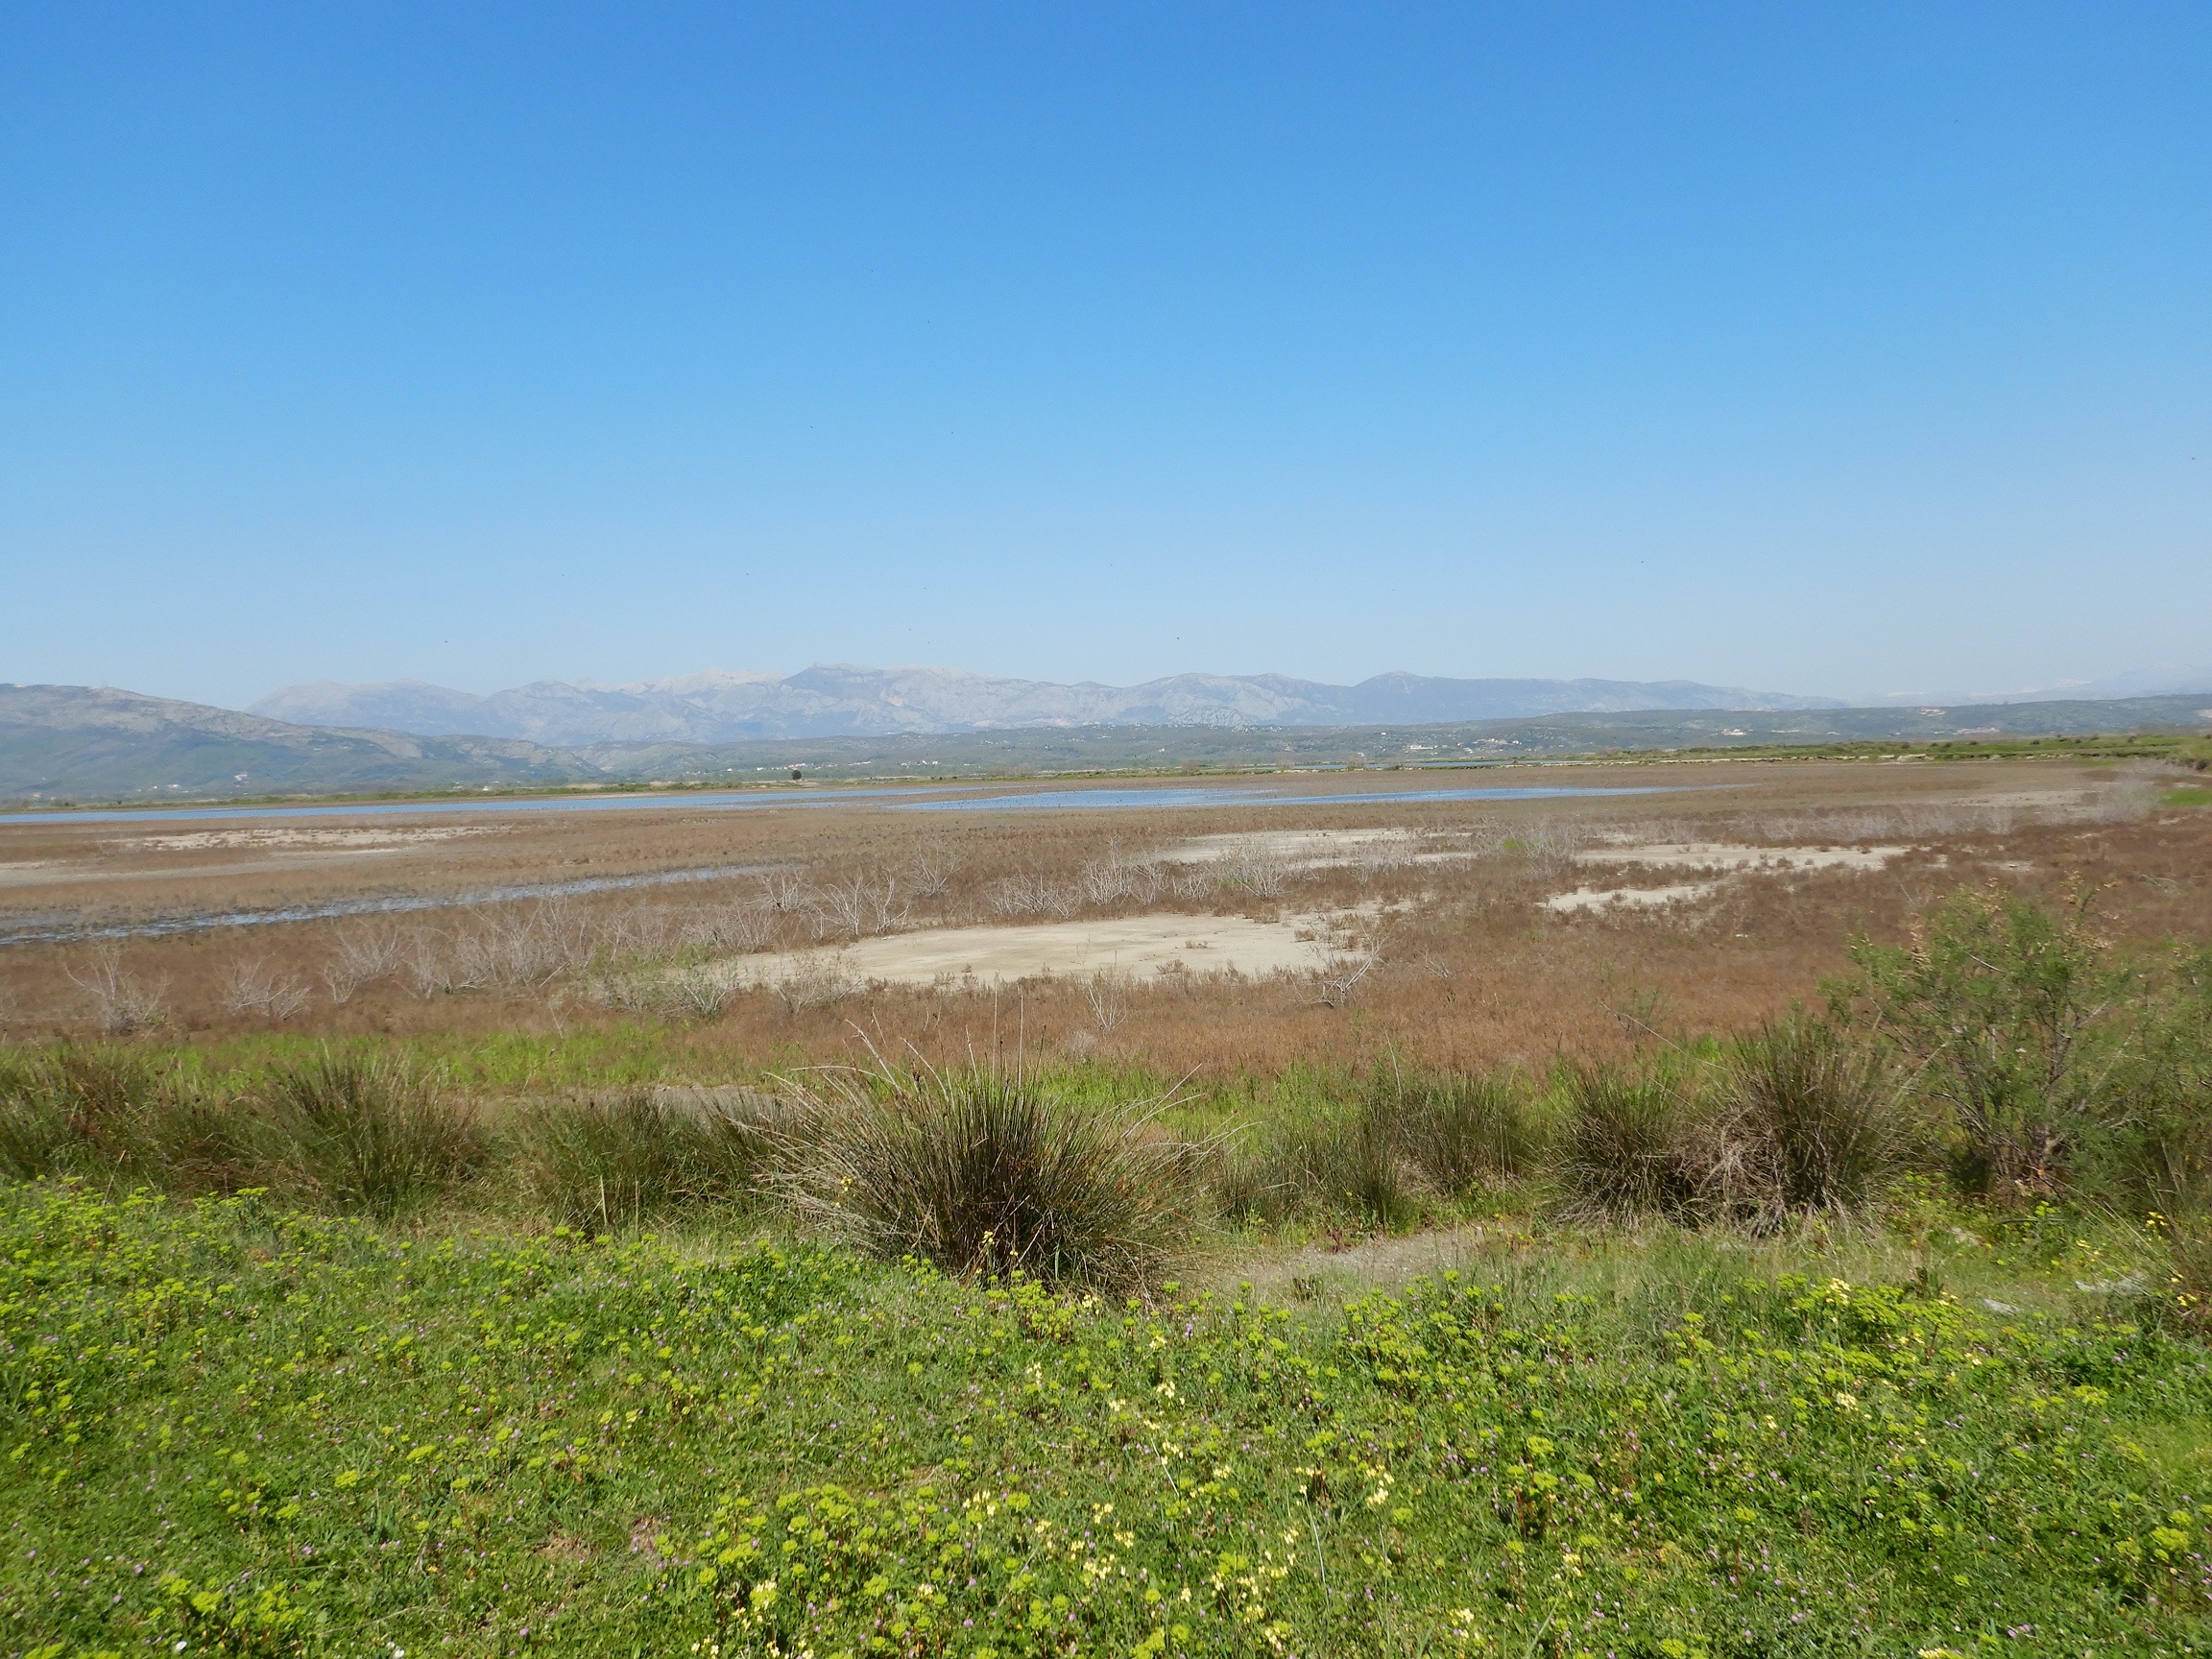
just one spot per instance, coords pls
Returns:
(91, 1112)
(1629, 1144)
(1817, 1117)
(38, 1134)
(985, 1177)
(1461, 1130)
(605, 1163)
(371, 1133)
(1346, 1164)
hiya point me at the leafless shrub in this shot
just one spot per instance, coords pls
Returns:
(1551, 847)
(1648, 833)
(864, 903)
(120, 1003)
(788, 891)
(363, 952)
(1106, 995)
(517, 946)
(1380, 857)
(1336, 982)
(1114, 880)
(812, 982)
(929, 874)
(1103, 881)
(252, 987)
(1031, 894)
(701, 995)
(693, 992)
(731, 928)
(1251, 868)
(430, 968)
(1196, 882)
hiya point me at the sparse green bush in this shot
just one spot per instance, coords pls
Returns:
(369, 1133)
(2184, 1234)
(609, 1164)
(2005, 1009)
(984, 1176)
(1244, 1184)
(2157, 1150)
(1405, 1141)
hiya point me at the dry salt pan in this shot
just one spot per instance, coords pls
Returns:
(1732, 856)
(1139, 946)
(1629, 897)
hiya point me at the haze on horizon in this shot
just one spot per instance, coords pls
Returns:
(1828, 352)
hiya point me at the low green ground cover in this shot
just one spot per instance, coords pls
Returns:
(234, 1428)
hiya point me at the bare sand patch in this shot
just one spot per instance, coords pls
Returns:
(1734, 857)
(1629, 897)
(1304, 849)
(1313, 849)
(1139, 946)
(285, 836)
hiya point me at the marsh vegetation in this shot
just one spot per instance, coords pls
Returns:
(1821, 1268)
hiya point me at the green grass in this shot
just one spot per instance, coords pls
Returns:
(2188, 795)
(256, 1432)
(506, 1062)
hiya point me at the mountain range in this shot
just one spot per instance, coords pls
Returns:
(81, 743)
(839, 699)
(2168, 680)
(77, 740)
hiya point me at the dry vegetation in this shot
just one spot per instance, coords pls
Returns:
(1872, 1325)
(1445, 950)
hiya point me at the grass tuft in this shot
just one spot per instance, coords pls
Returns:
(1819, 1116)
(985, 1177)
(1462, 1131)
(98, 1111)
(1629, 1144)
(607, 1164)
(370, 1133)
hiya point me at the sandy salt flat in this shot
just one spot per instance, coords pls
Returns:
(1629, 897)
(346, 839)
(1139, 946)
(1308, 848)
(1732, 857)
(1727, 855)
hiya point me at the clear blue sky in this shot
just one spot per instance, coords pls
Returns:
(1812, 347)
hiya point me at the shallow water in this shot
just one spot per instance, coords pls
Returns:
(62, 932)
(1103, 799)
(717, 802)
(1110, 799)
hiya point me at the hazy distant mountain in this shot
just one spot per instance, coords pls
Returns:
(92, 742)
(2165, 681)
(87, 744)
(841, 700)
